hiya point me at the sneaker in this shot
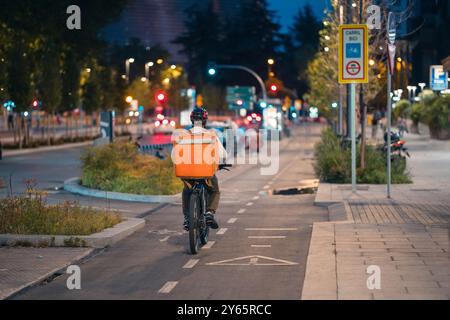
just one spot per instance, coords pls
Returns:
(211, 220)
(186, 223)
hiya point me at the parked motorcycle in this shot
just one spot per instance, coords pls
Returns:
(398, 148)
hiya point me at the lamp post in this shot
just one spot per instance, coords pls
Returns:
(147, 69)
(127, 68)
(212, 72)
(422, 86)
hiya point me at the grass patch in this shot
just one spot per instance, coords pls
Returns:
(32, 215)
(333, 163)
(120, 167)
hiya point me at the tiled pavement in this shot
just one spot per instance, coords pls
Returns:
(408, 238)
(21, 267)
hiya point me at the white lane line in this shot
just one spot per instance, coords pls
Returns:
(266, 186)
(222, 230)
(168, 287)
(208, 245)
(256, 198)
(241, 211)
(232, 220)
(271, 229)
(164, 239)
(249, 204)
(261, 246)
(266, 237)
(191, 263)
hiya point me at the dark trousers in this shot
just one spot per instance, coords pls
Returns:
(213, 193)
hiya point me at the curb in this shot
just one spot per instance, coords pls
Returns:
(15, 291)
(12, 153)
(73, 185)
(320, 281)
(101, 239)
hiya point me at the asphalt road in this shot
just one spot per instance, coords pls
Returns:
(259, 252)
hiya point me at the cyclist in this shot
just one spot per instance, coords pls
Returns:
(199, 117)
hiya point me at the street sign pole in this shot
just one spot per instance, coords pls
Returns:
(353, 133)
(391, 32)
(353, 69)
(388, 152)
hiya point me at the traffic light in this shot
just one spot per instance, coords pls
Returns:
(273, 88)
(161, 97)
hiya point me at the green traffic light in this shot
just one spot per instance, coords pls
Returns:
(212, 71)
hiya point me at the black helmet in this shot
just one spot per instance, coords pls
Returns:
(199, 114)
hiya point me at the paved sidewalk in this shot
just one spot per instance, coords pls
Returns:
(22, 267)
(407, 237)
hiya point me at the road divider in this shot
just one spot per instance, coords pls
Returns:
(73, 185)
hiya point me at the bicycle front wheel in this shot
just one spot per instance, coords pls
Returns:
(194, 241)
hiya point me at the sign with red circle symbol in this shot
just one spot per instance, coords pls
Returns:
(353, 68)
(353, 53)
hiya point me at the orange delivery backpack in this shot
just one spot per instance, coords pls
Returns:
(195, 155)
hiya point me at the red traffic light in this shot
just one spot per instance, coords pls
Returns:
(35, 103)
(161, 97)
(273, 88)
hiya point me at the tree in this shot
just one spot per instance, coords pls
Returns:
(300, 46)
(201, 41)
(252, 36)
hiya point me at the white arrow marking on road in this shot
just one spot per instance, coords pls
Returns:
(209, 245)
(241, 211)
(261, 246)
(164, 239)
(168, 287)
(253, 261)
(191, 263)
(222, 230)
(232, 220)
(266, 237)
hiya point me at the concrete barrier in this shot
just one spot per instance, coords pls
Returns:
(73, 185)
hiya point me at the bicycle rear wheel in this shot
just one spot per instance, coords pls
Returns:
(194, 241)
(203, 228)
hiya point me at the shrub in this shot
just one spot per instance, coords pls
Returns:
(417, 112)
(120, 167)
(402, 109)
(333, 163)
(436, 116)
(32, 215)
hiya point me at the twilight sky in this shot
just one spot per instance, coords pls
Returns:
(287, 9)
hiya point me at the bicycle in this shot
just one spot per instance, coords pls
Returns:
(198, 228)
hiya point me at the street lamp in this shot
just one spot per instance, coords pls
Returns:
(422, 86)
(147, 69)
(127, 68)
(212, 71)
(270, 61)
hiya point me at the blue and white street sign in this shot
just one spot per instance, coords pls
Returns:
(438, 78)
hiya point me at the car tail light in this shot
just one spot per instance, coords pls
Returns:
(157, 124)
(172, 123)
(249, 118)
(165, 121)
(160, 117)
(258, 118)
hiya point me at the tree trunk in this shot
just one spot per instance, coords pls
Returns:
(19, 121)
(48, 128)
(363, 129)
(14, 124)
